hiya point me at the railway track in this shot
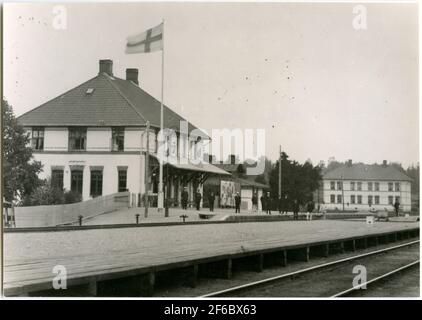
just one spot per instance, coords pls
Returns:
(355, 292)
(332, 279)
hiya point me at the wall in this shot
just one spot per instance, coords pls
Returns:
(383, 193)
(110, 163)
(98, 139)
(45, 216)
(55, 139)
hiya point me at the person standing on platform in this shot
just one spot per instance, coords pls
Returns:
(263, 206)
(280, 204)
(198, 198)
(185, 197)
(296, 209)
(310, 208)
(254, 202)
(237, 202)
(397, 207)
(285, 204)
(211, 199)
(268, 203)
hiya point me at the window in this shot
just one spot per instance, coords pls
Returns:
(96, 183)
(118, 139)
(377, 199)
(398, 199)
(37, 140)
(122, 180)
(332, 198)
(377, 186)
(57, 179)
(339, 198)
(352, 186)
(359, 199)
(369, 186)
(397, 185)
(359, 186)
(353, 199)
(370, 200)
(76, 179)
(77, 138)
(390, 186)
(332, 185)
(339, 185)
(390, 200)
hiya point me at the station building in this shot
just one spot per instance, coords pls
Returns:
(225, 187)
(362, 187)
(92, 140)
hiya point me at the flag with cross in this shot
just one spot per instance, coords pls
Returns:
(148, 41)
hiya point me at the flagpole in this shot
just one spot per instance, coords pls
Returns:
(160, 184)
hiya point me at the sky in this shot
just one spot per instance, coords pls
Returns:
(302, 72)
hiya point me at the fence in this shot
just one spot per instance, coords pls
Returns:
(46, 216)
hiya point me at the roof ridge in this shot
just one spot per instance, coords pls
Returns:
(60, 95)
(124, 97)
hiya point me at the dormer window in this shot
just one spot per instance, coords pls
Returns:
(37, 139)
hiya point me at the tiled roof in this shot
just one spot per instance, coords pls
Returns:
(366, 172)
(113, 102)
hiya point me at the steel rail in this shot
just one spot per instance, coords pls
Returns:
(254, 284)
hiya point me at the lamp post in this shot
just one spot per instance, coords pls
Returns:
(342, 191)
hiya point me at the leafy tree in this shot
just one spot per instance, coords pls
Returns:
(298, 181)
(268, 167)
(20, 171)
(413, 172)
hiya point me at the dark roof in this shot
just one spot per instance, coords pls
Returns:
(113, 102)
(228, 166)
(366, 172)
(251, 183)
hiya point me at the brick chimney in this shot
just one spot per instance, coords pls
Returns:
(106, 66)
(384, 163)
(132, 75)
(349, 163)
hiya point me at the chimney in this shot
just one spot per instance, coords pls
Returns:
(106, 66)
(232, 159)
(384, 163)
(349, 163)
(132, 75)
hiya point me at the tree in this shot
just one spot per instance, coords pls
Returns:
(298, 181)
(413, 172)
(20, 171)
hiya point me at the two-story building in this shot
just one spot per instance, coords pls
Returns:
(92, 139)
(364, 187)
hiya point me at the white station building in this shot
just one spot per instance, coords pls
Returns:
(92, 140)
(364, 187)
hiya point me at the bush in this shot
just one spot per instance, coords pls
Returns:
(72, 197)
(45, 194)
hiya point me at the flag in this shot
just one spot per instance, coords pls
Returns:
(148, 41)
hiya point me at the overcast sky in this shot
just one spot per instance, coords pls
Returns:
(317, 86)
